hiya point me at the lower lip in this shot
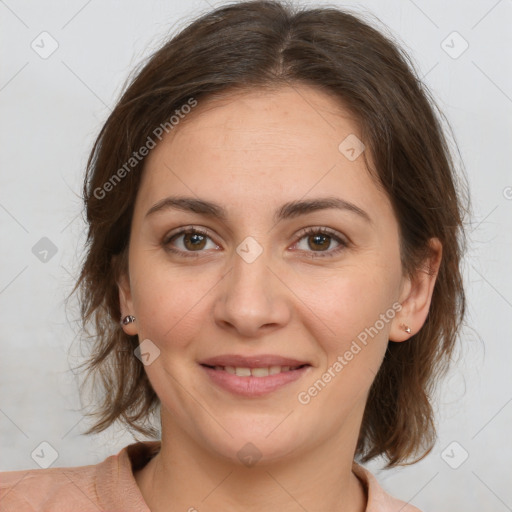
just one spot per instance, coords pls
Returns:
(253, 386)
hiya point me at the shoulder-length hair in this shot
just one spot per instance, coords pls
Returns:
(267, 44)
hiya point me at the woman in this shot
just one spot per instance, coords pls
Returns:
(272, 266)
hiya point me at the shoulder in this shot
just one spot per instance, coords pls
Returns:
(40, 489)
(378, 499)
(108, 485)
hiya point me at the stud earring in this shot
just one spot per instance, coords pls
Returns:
(406, 328)
(128, 319)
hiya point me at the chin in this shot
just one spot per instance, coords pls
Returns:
(252, 446)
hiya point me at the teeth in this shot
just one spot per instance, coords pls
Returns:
(255, 372)
(274, 369)
(259, 372)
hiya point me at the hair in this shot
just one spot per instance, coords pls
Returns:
(269, 44)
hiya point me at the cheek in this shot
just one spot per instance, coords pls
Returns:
(348, 327)
(357, 318)
(353, 312)
(170, 304)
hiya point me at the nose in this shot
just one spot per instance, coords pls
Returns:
(252, 299)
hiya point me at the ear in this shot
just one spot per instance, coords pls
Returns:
(125, 297)
(416, 295)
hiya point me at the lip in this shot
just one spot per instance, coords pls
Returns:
(262, 360)
(252, 387)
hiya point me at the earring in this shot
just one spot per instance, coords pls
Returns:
(128, 319)
(406, 328)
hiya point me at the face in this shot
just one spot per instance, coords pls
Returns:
(266, 324)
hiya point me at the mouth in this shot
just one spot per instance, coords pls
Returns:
(258, 372)
(253, 376)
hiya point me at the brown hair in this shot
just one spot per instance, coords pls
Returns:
(268, 44)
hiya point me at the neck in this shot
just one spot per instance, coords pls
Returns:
(184, 477)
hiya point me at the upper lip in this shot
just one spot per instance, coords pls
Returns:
(263, 360)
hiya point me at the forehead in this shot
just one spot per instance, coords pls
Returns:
(255, 145)
(245, 120)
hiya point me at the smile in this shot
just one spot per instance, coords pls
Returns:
(253, 382)
(241, 371)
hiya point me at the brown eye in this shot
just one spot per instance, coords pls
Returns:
(193, 241)
(187, 242)
(319, 240)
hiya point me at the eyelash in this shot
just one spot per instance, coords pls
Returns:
(306, 232)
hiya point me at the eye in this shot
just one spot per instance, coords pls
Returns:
(321, 238)
(193, 240)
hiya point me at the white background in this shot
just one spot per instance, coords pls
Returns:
(51, 110)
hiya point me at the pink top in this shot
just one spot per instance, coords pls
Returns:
(110, 486)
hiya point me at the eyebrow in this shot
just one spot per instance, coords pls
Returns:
(288, 210)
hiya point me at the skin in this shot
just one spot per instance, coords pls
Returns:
(250, 153)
